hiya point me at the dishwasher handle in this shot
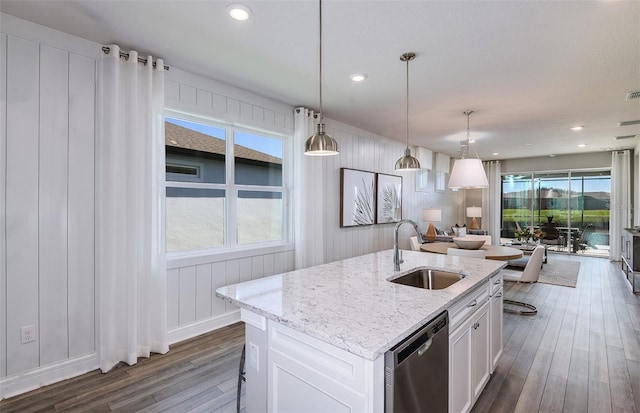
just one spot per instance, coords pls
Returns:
(423, 348)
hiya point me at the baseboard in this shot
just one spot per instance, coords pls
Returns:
(36, 378)
(202, 327)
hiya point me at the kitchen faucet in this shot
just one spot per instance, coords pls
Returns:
(396, 253)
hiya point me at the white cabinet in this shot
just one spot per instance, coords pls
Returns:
(495, 314)
(480, 364)
(495, 320)
(469, 350)
(460, 370)
(289, 371)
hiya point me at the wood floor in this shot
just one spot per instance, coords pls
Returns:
(197, 375)
(580, 353)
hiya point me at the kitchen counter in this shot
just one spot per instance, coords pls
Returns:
(351, 305)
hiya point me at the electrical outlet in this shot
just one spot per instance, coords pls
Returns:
(27, 334)
(254, 357)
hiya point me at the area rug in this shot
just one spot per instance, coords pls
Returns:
(560, 272)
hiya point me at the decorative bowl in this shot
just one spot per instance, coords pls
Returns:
(468, 244)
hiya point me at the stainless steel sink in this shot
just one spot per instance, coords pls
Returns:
(429, 279)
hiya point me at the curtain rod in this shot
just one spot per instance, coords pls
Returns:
(106, 50)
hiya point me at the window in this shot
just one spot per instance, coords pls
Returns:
(224, 185)
(564, 205)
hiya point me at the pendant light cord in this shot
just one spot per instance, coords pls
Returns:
(407, 103)
(320, 13)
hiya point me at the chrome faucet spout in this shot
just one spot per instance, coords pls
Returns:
(396, 252)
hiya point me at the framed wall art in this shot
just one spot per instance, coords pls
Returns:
(357, 197)
(388, 198)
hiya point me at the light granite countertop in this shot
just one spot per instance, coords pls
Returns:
(352, 305)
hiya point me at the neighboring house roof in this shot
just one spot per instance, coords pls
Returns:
(184, 138)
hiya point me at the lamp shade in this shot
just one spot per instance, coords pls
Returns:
(431, 215)
(474, 212)
(468, 173)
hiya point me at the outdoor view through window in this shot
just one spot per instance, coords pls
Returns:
(214, 200)
(570, 210)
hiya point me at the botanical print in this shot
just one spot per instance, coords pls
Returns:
(357, 197)
(389, 200)
(363, 206)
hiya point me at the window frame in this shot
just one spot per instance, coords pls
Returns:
(232, 189)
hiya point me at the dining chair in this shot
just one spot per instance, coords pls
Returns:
(415, 245)
(466, 253)
(530, 274)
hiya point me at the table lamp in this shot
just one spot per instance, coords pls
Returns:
(473, 213)
(431, 215)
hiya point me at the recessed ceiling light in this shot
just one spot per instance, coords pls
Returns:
(528, 144)
(358, 77)
(239, 11)
(577, 128)
(496, 154)
(581, 145)
(551, 156)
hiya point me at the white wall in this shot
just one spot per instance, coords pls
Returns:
(635, 182)
(47, 102)
(192, 281)
(365, 151)
(193, 308)
(591, 160)
(46, 173)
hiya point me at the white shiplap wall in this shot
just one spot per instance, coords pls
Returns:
(47, 236)
(192, 281)
(366, 151)
(192, 305)
(47, 91)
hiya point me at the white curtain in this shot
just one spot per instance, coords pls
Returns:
(308, 194)
(492, 200)
(130, 262)
(620, 216)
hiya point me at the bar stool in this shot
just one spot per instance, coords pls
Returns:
(241, 377)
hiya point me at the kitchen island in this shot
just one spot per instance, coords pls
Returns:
(316, 337)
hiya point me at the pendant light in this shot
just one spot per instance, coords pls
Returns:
(468, 173)
(407, 162)
(321, 143)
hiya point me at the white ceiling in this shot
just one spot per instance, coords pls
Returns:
(529, 69)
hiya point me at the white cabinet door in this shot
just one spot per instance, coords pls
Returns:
(496, 322)
(460, 369)
(480, 356)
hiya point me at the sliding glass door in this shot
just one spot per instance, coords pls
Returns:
(570, 208)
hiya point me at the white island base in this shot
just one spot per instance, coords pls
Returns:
(288, 371)
(316, 338)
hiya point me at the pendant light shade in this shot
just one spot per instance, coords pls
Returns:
(407, 162)
(467, 173)
(321, 143)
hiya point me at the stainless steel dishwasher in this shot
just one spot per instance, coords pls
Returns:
(417, 370)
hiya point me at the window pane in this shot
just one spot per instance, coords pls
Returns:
(516, 203)
(258, 160)
(194, 218)
(195, 152)
(259, 216)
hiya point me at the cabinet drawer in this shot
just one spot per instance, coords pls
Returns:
(495, 283)
(461, 310)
